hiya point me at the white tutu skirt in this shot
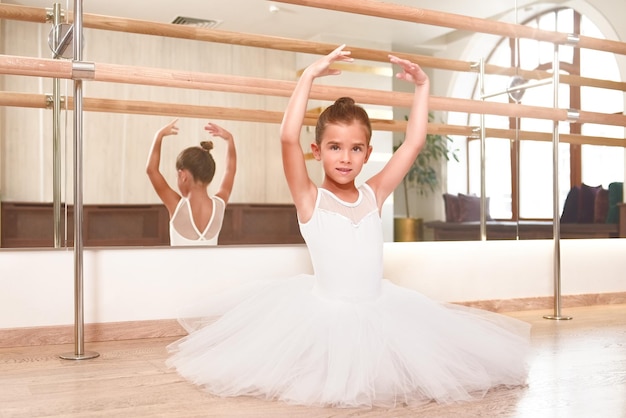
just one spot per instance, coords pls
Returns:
(280, 340)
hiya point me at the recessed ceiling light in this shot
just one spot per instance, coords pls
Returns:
(192, 21)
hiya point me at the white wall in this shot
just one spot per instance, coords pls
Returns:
(127, 284)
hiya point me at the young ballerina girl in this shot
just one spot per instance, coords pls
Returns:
(195, 217)
(346, 337)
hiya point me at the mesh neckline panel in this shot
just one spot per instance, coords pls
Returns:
(182, 221)
(356, 211)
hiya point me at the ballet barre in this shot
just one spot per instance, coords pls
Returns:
(455, 21)
(115, 73)
(43, 101)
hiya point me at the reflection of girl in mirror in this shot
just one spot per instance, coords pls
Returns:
(195, 217)
(345, 336)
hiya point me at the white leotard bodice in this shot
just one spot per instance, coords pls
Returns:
(348, 265)
(183, 230)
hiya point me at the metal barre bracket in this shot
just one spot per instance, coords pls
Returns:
(573, 115)
(572, 39)
(475, 133)
(82, 70)
(50, 100)
(50, 14)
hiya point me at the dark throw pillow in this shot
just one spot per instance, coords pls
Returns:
(451, 205)
(601, 206)
(616, 196)
(570, 207)
(469, 208)
(586, 203)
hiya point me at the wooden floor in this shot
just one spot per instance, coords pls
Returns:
(578, 369)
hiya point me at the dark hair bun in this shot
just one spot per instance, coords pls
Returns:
(207, 145)
(345, 101)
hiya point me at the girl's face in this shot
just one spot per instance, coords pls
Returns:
(343, 151)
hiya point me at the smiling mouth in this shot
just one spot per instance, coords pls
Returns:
(344, 170)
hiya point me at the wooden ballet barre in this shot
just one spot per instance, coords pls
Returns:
(136, 26)
(468, 131)
(139, 107)
(23, 13)
(455, 21)
(51, 68)
(46, 67)
(30, 100)
(309, 47)
(41, 101)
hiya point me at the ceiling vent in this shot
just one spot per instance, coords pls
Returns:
(200, 23)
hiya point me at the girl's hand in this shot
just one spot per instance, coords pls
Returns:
(412, 72)
(321, 67)
(217, 130)
(169, 129)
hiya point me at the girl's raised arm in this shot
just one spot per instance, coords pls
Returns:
(303, 190)
(168, 196)
(386, 181)
(226, 185)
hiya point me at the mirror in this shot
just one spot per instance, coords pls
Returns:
(116, 190)
(116, 144)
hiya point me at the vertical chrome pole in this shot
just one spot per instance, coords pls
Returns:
(56, 135)
(518, 149)
(556, 227)
(516, 144)
(79, 337)
(483, 186)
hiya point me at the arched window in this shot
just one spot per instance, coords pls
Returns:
(527, 193)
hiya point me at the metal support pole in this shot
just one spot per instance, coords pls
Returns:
(79, 338)
(556, 227)
(56, 135)
(483, 186)
(572, 115)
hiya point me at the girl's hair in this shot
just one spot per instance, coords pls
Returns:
(343, 111)
(199, 162)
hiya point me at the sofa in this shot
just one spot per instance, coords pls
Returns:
(588, 212)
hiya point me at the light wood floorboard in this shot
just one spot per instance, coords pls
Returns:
(578, 369)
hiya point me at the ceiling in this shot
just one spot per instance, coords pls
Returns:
(306, 23)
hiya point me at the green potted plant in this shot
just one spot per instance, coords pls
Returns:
(423, 178)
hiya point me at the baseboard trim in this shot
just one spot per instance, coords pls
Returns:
(530, 304)
(165, 328)
(107, 331)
